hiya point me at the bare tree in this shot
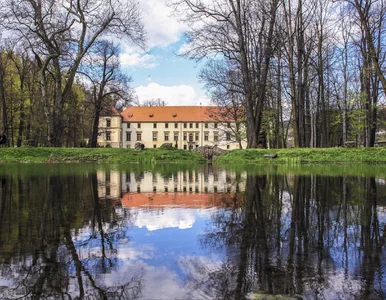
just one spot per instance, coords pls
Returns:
(60, 33)
(102, 69)
(224, 85)
(4, 62)
(242, 32)
(370, 18)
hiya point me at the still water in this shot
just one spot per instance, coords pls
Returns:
(177, 232)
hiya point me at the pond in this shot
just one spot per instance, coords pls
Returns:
(180, 232)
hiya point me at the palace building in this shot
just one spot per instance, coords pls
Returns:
(185, 127)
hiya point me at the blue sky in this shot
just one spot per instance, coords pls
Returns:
(160, 72)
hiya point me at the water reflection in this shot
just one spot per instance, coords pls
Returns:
(191, 234)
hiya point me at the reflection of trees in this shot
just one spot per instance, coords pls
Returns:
(39, 254)
(372, 242)
(297, 235)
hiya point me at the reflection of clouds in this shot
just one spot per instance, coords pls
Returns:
(140, 252)
(340, 286)
(157, 282)
(204, 275)
(167, 218)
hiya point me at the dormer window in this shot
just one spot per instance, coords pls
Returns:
(174, 115)
(151, 115)
(130, 115)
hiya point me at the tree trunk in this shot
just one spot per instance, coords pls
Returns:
(94, 134)
(3, 99)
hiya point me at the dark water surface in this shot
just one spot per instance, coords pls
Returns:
(177, 232)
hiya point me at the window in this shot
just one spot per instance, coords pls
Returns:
(155, 136)
(175, 125)
(185, 136)
(185, 125)
(196, 136)
(196, 125)
(228, 146)
(215, 125)
(215, 137)
(128, 136)
(108, 136)
(228, 136)
(228, 125)
(190, 137)
(184, 147)
(206, 125)
(108, 123)
(206, 136)
(154, 146)
(128, 125)
(166, 136)
(190, 125)
(155, 125)
(139, 136)
(176, 136)
(166, 125)
(139, 125)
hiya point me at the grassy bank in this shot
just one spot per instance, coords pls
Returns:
(152, 156)
(98, 155)
(305, 156)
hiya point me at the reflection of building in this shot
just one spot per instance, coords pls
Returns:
(186, 127)
(114, 184)
(186, 200)
(109, 184)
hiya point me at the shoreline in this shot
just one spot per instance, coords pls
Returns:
(293, 156)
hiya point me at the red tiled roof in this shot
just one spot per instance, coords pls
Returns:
(178, 199)
(171, 114)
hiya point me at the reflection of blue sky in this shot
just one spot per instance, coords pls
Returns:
(161, 245)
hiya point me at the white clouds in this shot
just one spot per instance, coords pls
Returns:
(135, 59)
(173, 95)
(162, 29)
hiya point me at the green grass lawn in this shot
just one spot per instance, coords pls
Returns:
(305, 156)
(97, 155)
(152, 156)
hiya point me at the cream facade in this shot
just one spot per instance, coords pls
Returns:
(110, 131)
(154, 127)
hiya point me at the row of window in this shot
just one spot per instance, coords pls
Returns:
(206, 125)
(191, 137)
